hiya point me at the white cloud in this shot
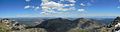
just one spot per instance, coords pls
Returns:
(71, 4)
(66, 5)
(118, 7)
(52, 6)
(32, 7)
(82, 4)
(86, 4)
(45, 1)
(27, 0)
(26, 7)
(73, 1)
(49, 6)
(36, 8)
(81, 10)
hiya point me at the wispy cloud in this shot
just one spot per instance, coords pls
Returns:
(81, 10)
(73, 1)
(26, 7)
(82, 4)
(27, 0)
(36, 8)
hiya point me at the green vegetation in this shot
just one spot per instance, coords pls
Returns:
(4, 28)
(77, 30)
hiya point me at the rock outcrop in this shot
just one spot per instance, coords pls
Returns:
(12, 24)
(115, 25)
(8, 25)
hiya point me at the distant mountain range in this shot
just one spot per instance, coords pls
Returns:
(38, 19)
(65, 24)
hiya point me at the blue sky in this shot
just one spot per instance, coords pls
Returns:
(59, 8)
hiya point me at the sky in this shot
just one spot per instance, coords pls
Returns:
(59, 8)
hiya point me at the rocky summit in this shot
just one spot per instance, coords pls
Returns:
(115, 25)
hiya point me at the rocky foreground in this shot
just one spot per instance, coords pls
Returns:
(61, 25)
